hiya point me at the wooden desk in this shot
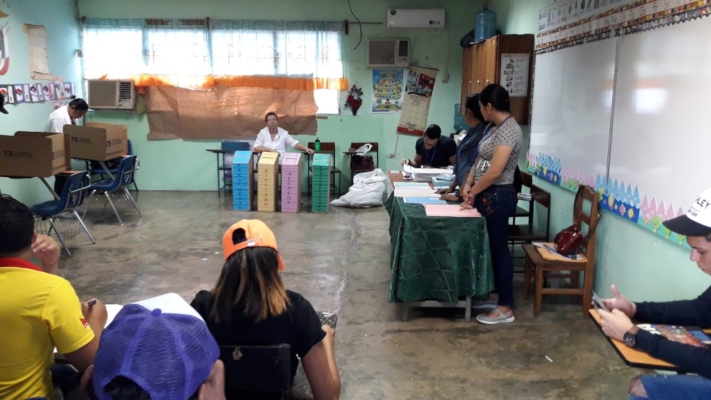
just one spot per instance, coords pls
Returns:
(633, 357)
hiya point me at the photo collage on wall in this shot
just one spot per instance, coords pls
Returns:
(57, 91)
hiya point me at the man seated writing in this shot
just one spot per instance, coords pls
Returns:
(696, 226)
(432, 150)
(38, 310)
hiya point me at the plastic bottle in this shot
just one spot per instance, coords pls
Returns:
(317, 145)
(484, 24)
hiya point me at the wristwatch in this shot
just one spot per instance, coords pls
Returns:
(630, 337)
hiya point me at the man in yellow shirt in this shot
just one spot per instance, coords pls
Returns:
(39, 311)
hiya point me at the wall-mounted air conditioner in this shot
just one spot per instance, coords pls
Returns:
(388, 53)
(111, 95)
(415, 18)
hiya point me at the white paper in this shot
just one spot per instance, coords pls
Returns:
(415, 192)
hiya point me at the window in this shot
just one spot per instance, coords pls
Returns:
(187, 49)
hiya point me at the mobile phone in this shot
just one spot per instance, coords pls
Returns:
(598, 300)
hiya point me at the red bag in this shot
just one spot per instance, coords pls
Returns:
(570, 241)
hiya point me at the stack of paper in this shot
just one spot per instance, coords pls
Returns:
(422, 174)
(440, 183)
(450, 210)
(424, 200)
(415, 192)
(412, 184)
(321, 185)
(242, 170)
(291, 183)
(268, 168)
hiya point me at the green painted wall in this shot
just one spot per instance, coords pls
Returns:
(643, 266)
(185, 165)
(58, 16)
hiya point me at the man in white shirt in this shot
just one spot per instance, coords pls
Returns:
(275, 139)
(65, 115)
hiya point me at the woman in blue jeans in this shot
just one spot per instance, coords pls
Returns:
(490, 188)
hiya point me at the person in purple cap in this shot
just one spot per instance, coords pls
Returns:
(150, 355)
(617, 324)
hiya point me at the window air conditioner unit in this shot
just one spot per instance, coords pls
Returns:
(111, 95)
(388, 53)
(415, 18)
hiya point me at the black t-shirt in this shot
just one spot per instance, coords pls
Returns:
(299, 326)
(439, 155)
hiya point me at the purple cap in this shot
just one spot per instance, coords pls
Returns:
(167, 355)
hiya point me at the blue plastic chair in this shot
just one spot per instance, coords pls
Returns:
(122, 178)
(72, 196)
(102, 172)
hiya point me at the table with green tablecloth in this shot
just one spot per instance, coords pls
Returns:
(435, 261)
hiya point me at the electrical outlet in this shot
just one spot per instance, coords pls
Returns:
(391, 155)
(445, 78)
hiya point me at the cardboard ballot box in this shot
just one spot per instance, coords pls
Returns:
(33, 154)
(97, 141)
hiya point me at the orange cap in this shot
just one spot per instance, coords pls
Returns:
(258, 235)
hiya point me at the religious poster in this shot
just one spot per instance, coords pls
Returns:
(514, 74)
(388, 89)
(416, 105)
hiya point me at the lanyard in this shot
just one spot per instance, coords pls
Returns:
(489, 132)
(427, 152)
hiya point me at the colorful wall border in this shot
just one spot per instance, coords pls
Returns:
(616, 197)
(637, 16)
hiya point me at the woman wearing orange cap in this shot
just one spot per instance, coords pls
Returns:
(250, 306)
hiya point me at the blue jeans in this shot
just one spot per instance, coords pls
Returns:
(497, 204)
(677, 387)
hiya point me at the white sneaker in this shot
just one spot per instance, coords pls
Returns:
(496, 317)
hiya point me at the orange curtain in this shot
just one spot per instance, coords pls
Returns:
(211, 81)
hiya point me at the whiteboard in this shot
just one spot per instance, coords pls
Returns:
(661, 141)
(572, 106)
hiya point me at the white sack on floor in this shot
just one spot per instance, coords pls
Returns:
(370, 189)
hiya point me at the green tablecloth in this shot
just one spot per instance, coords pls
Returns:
(437, 258)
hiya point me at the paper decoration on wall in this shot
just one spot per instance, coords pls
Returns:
(388, 90)
(68, 90)
(4, 50)
(59, 89)
(514, 74)
(48, 91)
(37, 38)
(34, 92)
(416, 105)
(616, 18)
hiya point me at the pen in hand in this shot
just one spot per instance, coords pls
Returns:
(91, 303)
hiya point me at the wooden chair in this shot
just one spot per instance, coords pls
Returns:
(257, 371)
(329, 148)
(527, 182)
(557, 269)
(527, 233)
(351, 153)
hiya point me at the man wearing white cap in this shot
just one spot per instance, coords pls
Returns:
(696, 226)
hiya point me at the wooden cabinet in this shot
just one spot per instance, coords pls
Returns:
(481, 66)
